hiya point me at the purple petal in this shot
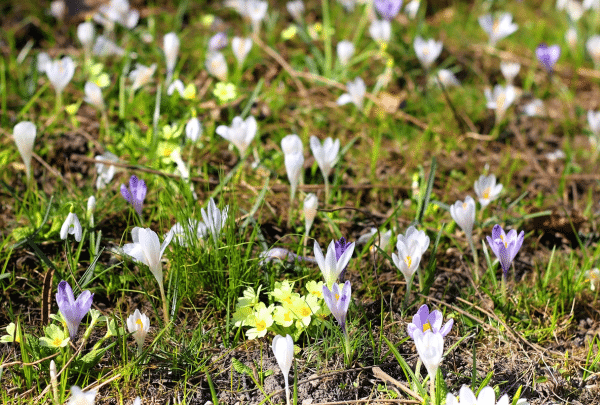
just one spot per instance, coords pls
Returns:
(497, 232)
(435, 320)
(411, 328)
(447, 327)
(126, 194)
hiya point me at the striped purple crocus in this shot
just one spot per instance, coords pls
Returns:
(73, 310)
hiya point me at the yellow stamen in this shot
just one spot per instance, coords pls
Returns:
(426, 326)
(408, 261)
(139, 322)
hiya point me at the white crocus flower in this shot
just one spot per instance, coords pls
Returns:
(330, 266)
(141, 75)
(325, 154)
(71, 226)
(256, 10)
(412, 8)
(147, 249)
(105, 170)
(176, 85)
(427, 51)
(79, 397)
(345, 51)
(593, 276)
(535, 108)
(593, 118)
(591, 4)
(216, 65)
(171, 48)
(193, 129)
(500, 99)
(407, 260)
(430, 347)
(355, 95)
(463, 213)
(283, 348)
(446, 77)
(42, 62)
(93, 95)
(139, 325)
(497, 29)
(296, 9)
(105, 47)
(486, 189)
(240, 133)
(241, 48)
(85, 34)
(310, 211)
(293, 166)
(214, 219)
(60, 72)
(509, 71)
(24, 133)
(593, 47)
(487, 396)
(571, 37)
(380, 30)
(291, 144)
(414, 235)
(574, 10)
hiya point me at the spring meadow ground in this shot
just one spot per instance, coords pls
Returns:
(414, 137)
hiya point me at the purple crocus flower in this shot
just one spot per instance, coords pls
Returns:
(388, 9)
(505, 246)
(340, 248)
(548, 55)
(217, 42)
(73, 310)
(338, 302)
(423, 321)
(136, 193)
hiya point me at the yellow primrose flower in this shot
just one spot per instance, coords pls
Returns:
(289, 33)
(249, 298)
(208, 19)
(315, 288)
(283, 292)
(165, 149)
(190, 92)
(55, 337)
(225, 92)
(12, 335)
(72, 108)
(261, 321)
(171, 131)
(102, 80)
(283, 316)
(304, 308)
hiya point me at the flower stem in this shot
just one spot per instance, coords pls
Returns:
(348, 348)
(290, 206)
(503, 288)
(475, 258)
(326, 37)
(432, 390)
(326, 190)
(164, 303)
(407, 294)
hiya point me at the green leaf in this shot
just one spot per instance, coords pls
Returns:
(241, 367)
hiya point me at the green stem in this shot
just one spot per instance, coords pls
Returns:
(407, 294)
(326, 190)
(348, 348)
(503, 289)
(326, 38)
(164, 303)
(475, 258)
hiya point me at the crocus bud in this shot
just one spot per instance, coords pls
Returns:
(85, 34)
(193, 129)
(293, 167)
(24, 134)
(93, 95)
(430, 347)
(171, 47)
(345, 51)
(91, 207)
(216, 65)
(283, 348)
(296, 9)
(463, 213)
(310, 211)
(241, 48)
(291, 144)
